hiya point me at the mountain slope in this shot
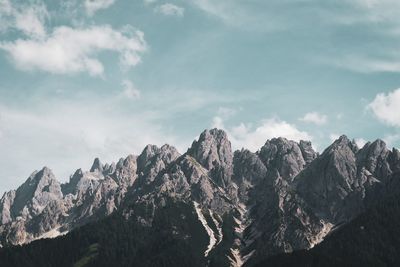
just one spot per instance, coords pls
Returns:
(227, 208)
(371, 239)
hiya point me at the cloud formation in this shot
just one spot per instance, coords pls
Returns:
(169, 9)
(315, 118)
(360, 142)
(252, 138)
(72, 50)
(129, 90)
(92, 6)
(65, 135)
(386, 107)
(26, 18)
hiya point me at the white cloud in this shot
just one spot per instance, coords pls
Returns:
(31, 20)
(360, 142)
(315, 117)
(386, 107)
(246, 136)
(70, 50)
(129, 90)
(27, 18)
(170, 10)
(65, 135)
(92, 6)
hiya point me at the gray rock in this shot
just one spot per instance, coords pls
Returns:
(213, 151)
(283, 198)
(97, 166)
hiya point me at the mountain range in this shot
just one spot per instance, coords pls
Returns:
(211, 206)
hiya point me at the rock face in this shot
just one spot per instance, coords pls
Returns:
(281, 198)
(213, 151)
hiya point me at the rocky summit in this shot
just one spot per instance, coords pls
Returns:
(248, 205)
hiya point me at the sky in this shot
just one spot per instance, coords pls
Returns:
(81, 79)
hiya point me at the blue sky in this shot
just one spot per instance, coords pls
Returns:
(103, 78)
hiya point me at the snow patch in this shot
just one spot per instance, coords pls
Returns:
(218, 225)
(53, 233)
(326, 228)
(241, 223)
(236, 259)
(209, 231)
(240, 227)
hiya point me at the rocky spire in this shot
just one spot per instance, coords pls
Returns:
(286, 157)
(153, 159)
(38, 190)
(213, 151)
(330, 179)
(372, 156)
(96, 166)
(308, 152)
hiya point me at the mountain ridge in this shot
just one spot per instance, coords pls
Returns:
(282, 198)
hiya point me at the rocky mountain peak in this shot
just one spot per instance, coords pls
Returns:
(342, 139)
(125, 171)
(375, 158)
(308, 151)
(97, 166)
(148, 152)
(282, 198)
(213, 150)
(153, 159)
(38, 190)
(343, 142)
(331, 179)
(285, 157)
(40, 180)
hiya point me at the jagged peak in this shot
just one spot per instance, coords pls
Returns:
(376, 147)
(210, 136)
(379, 143)
(214, 152)
(305, 143)
(212, 145)
(343, 142)
(168, 148)
(343, 139)
(148, 152)
(216, 134)
(78, 172)
(279, 144)
(373, 150)
(279, 139)
(152, 150)
(130, 157)
(120, 163)
(44, 173)
(96, 166)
